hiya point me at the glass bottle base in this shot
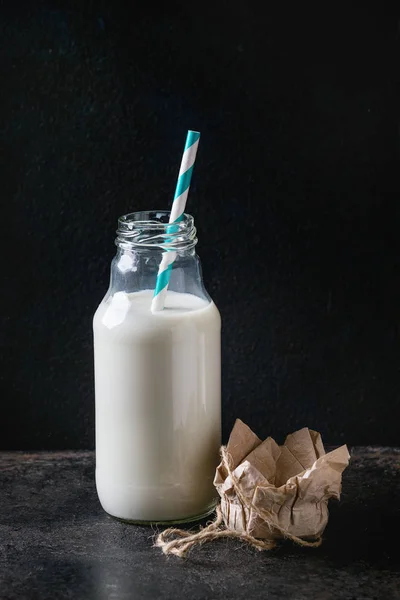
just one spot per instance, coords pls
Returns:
(210, 509)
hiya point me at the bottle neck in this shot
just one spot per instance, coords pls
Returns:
(151, 230)
(142, 239)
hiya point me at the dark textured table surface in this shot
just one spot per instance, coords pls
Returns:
(56, 542)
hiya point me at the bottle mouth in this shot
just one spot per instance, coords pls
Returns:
(152, 229)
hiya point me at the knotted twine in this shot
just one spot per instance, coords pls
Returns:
(180, 542)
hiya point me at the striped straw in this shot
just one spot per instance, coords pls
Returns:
(177, 210)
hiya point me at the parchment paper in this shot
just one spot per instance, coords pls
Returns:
(287, 486)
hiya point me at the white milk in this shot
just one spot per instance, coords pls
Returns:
(158, 396)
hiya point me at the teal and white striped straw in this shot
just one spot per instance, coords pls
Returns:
(177, 210)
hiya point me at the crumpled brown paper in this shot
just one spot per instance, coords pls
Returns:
(286, 488)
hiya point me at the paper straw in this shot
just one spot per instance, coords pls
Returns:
(177, 210)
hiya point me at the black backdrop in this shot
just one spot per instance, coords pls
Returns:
(293, 198)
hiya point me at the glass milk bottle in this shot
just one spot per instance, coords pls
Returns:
(157, 378)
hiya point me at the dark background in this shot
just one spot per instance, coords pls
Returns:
(293, 196)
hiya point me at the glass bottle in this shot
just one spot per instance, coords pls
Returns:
(157, 378)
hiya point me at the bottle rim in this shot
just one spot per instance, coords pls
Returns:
(152, 229)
